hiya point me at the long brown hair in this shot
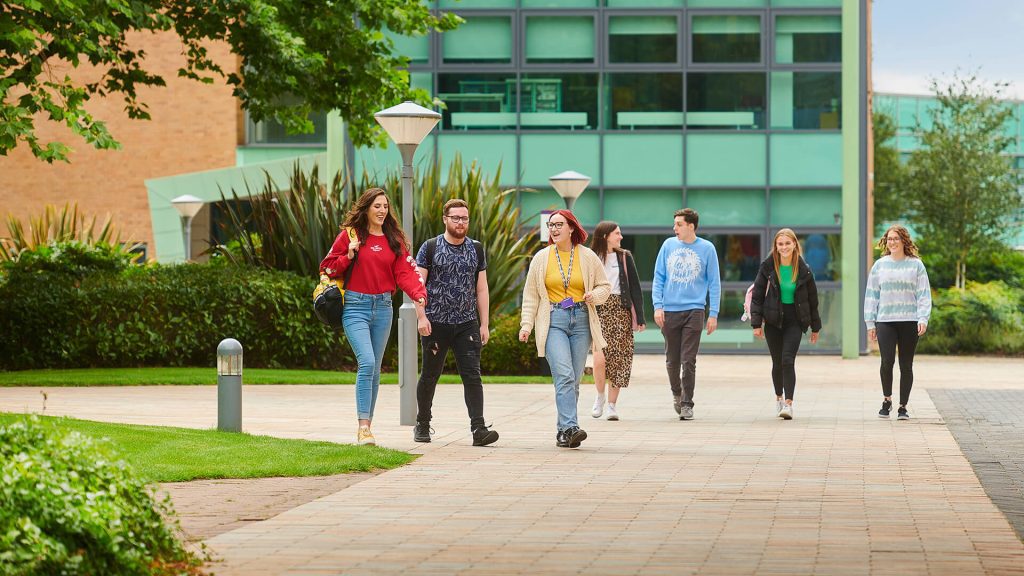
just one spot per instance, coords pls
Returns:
(909, 248)
(599, 242)
(795, 261)
(358, 218)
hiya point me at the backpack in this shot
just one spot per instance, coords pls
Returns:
(746, 304)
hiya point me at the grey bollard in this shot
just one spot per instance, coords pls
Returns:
(229, 385)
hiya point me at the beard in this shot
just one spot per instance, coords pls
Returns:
(455, 232)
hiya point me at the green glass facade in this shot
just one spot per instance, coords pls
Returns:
(737, 108)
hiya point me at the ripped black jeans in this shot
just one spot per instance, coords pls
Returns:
(464, 340)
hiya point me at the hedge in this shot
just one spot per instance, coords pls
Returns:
(53, 317)
(67, 507)
(980, 319)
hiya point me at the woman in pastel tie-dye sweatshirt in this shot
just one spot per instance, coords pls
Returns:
(897, 304)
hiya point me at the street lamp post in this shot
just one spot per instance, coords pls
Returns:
(569, 186)
(188, 206)
(407, 124)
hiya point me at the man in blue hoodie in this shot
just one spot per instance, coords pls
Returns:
(686, 281)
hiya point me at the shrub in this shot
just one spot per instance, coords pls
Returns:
(72, 257)
(52, 226)
(981, 318)
(67, 507)
(163, 316)
(505, 354)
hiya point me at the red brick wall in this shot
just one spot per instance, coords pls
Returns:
(194, 127)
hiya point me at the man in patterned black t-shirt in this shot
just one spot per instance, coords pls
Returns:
(455, 270)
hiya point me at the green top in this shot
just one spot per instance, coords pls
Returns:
(787, 284)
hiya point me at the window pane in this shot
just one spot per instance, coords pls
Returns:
(558, 101)
(645, 101)
(725, 100)
(481, 39)
(648, 159)
(807, 3)
(728, 207)
(559, 39)
(641, 208)
(478, 3)
(806, 100)
(559, 3)
(726, 159)
(544, 155)
(644, 3)
(739, 255)
(823, 254)
(645, 249)
(415, 48)
(726, 39)
(272, 132)
(793, 208)
(806, 159)
(477, 101)
(801, 39)
(642, 38)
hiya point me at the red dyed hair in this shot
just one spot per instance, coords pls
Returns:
(579, 235)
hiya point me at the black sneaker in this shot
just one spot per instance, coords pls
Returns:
(677, 403)
(902, 414)
(886, 408)
(482, 436)
(561, 440)
(421, 433)
(575, 436)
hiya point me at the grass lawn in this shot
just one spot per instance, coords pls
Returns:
(200, 376)
(165, 454)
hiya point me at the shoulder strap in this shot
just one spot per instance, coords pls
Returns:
(479, 259)
(348, 271)
(431, 246)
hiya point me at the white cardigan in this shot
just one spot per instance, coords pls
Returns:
(536, 312)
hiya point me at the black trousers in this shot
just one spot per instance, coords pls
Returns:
(682, 339)
(893, 336)
(464, 340)
(783, 344)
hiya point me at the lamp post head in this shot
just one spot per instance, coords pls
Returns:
(188, 206)
(569, 185)
(407, 123)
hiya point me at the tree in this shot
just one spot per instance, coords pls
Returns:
(961, 186)
(295, 56)
(888, 171)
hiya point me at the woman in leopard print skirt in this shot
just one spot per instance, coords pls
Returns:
(620, 316)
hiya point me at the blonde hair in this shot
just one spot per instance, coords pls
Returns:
(787, 232)
(909, 248)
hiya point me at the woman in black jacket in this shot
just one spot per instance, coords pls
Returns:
(620, 316)
(785, 303)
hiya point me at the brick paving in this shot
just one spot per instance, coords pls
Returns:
(735, 491)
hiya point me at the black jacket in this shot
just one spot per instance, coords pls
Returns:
(766, 308)
(630, 278)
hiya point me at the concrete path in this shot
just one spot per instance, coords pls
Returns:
(735, 491)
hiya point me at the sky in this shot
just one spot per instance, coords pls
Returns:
(916, 40)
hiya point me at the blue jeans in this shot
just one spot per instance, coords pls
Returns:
(566, 351)
(367, 323)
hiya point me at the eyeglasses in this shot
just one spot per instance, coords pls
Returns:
(896, 239)
(555, 225)
(458, 219)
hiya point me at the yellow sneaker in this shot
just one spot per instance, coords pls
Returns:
(364, 437)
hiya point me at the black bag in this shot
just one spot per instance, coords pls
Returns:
(329, 295)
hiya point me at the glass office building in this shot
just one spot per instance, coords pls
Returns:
(749, 111)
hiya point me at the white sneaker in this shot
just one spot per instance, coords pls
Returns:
(612, 414)
(779, 405)
(787, 412)
(598, 406)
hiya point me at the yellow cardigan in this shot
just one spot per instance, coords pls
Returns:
(536, 312)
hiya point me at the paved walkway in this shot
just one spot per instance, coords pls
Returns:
(735, 491)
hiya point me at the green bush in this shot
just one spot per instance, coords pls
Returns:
(505, 354)
(163, 316)
(67, 507)
(988, 263)
(71, 257)
(982, 318)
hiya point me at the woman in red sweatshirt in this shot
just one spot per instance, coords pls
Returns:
(383, 265)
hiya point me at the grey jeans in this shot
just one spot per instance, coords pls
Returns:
(682, 338)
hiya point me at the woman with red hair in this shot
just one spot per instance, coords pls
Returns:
(565, 283)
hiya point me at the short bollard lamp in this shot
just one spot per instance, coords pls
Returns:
(229, 385)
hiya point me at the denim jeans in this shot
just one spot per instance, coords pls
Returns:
(464, 340)
(566, 351)
(367, 323)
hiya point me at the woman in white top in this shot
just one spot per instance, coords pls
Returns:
(620, 316)
(897, 304)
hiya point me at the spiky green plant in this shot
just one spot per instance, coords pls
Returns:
(66, 224)
(494, 220)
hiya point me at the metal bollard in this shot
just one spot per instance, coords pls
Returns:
(229, 385)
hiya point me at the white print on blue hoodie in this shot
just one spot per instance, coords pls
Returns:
(685, 275)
